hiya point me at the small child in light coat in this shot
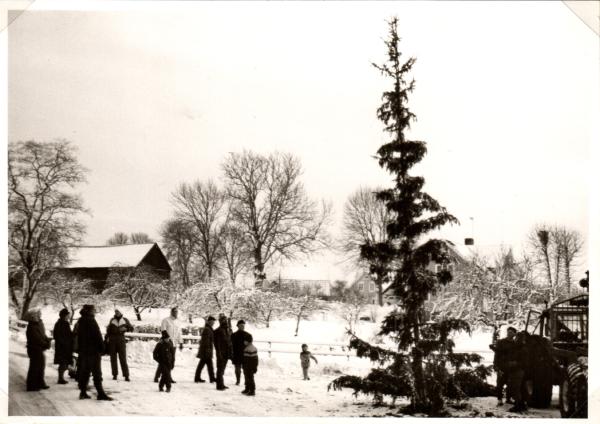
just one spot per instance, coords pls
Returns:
(163, 354)
(305, 357)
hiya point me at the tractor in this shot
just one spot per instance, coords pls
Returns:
(558, 342)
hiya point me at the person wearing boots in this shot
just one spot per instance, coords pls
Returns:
(117, 327)
(223, 350)
(205, 352)
(91, 348)
(37, 343)
(515, 365)
(171, 326)
(163, 354)
(237, 341)
(250, 365)
(501, 349)
(63, 344)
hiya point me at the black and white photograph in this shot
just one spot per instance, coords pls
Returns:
(297, 209)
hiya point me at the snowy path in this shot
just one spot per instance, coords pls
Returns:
(277, 394)
(280, 393)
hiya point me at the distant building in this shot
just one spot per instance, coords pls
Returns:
(314, 287)
(364, 285)
(94, 262)
(458, 257)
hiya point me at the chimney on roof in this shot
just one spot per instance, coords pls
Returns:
(469, 241)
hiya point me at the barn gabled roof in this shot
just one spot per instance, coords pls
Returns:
(128, 255)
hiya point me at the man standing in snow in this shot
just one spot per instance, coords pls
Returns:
(223, 350)
(205, 352)
(501, 350)
(237, 341)
(91, 348)
(515, 365)
(172, 327)
(117, 327)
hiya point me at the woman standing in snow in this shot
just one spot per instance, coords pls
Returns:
(63, 344)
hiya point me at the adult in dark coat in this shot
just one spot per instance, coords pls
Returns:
(63, 344)
(115, 332)
(37, 343)
(501, 349)
(516, 361)
(91, 348)
(205, 352)
(223, 350)
(163, 354)
(237, 342)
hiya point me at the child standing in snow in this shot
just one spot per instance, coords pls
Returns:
(163, 354)
(249, 365)
(305, 357)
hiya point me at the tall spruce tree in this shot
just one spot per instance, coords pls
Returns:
(417, 369)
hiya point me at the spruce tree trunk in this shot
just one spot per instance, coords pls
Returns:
(420, 400)
(380, 290)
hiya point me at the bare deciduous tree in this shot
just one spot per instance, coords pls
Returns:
(555, 250)
(68, 291)
(180, 241)
(570, 245)
(139, 287)
(270, 204)
(263, 306)
(118, 239)
(42, 212)
(236, 254)
(354, 304)
(203, 205)
(365, 222)
(483, 293)
(140, 238)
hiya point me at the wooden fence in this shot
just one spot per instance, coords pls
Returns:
(191, 342)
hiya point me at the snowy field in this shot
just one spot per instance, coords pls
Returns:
(280, 388)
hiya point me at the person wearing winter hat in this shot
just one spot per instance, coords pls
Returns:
(37, 343)
(237, 341)
(172, 326)
(117, 348)
(223, 350)
(205, 352)
(63, 344)
(163, 354)
(250, 365)
(91, 347)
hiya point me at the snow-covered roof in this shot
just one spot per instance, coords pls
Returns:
(128, 255)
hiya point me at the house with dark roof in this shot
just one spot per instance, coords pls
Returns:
(94, 263)
(458, 256)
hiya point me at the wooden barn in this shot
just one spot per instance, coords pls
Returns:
(94, 262)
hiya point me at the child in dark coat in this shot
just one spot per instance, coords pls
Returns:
(163, 354)
(305, 357)
(249, 365)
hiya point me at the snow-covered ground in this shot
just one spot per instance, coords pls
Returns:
(280, 388)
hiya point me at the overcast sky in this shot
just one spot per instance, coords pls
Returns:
(506, 98)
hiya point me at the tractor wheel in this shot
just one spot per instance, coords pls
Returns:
(573, 393)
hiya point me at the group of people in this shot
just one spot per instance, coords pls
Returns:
(86, 340)
(510, 363)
